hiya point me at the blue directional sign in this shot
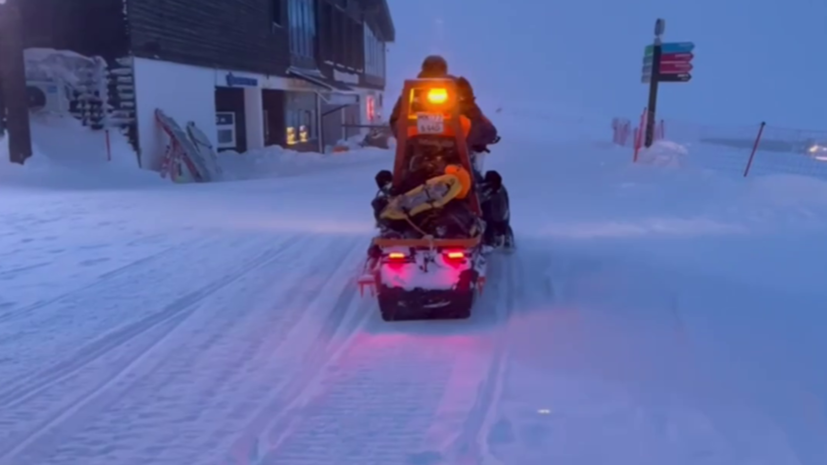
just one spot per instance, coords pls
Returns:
(677, 47)
(671, 47)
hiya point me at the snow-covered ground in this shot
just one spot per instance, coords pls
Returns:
(653, 314)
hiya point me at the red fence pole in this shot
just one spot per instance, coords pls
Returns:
(754, 148)
(639, 135)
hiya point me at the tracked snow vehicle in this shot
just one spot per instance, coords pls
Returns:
(428, 261)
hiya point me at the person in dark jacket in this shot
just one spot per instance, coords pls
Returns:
(483, 132)
(494, 196)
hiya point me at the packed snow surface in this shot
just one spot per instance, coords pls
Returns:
(653, 314)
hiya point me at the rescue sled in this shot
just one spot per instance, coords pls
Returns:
(418, 275)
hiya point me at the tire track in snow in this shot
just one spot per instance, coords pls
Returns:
(280, 413)
(96, 310)
(385, 385)
(226, 362)
(171, 315)
(516, 281)
(166, 259)
(361, 414)
(468, 447)
(89, 353)
(102, 280)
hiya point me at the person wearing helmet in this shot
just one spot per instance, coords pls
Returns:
(482, 132)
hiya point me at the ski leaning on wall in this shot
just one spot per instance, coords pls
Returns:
(186, 152)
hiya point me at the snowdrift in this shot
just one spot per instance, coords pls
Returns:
(672, 192)
(276, 161)
(68, 155)
(663, 153)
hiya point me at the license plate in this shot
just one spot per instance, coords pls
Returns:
(430, 124)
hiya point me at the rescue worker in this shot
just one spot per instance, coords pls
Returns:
(482, 132)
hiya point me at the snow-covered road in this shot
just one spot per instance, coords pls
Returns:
(221, 325)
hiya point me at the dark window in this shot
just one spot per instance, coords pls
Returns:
(357, 40)
(374, 54)
(337, 31)
(302, 27)
(275, 5)
(347, 51)
(326, 38)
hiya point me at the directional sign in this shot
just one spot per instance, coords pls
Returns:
(679, 57)
(675, 68)
(675, 62)
(683, 77)
(677, 47)
(671, 47)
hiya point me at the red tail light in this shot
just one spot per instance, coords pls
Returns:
(455, 255)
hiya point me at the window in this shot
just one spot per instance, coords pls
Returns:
(293, 123)
(354, 44)
(374, 50)
(301, 117)
(307, 126)
(275, 6)
(347, 51)
(326, 38)
(338, 31)
(225, 125)
(302, 15)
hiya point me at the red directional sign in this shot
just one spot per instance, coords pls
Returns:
(674, 63)
(675, 67)
(679, 57)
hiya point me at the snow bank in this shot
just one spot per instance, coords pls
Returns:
(65, 141)
(715, 176)
(635, 200)
(664, 153)
(276, 161)
(789, 191)
(68, 155)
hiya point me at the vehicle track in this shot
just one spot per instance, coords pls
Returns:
(104, 279)
(280, 412)
(54, 331)
(386, 383)
(469, 446)
(155, 408)
(172, 315)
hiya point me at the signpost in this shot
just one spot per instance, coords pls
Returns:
(15, 103)
(663, 62)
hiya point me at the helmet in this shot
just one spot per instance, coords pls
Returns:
(434, 66)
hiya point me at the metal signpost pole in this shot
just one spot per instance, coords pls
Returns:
(663, 62)
(13, 82)
(660, 27)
